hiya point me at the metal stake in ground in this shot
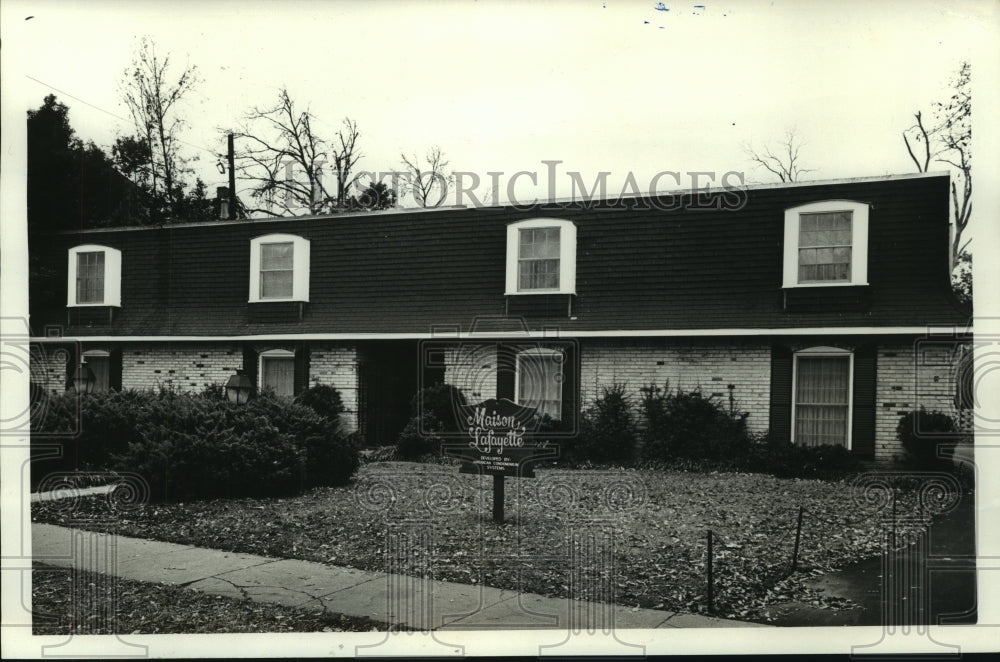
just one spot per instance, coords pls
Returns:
(798, 535)
(498, 498)
(711, 592)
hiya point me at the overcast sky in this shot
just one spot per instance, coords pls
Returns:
(598, 85)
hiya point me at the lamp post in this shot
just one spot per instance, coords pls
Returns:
(238, 388)
(84, 379)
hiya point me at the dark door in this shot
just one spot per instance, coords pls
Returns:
(388, 378)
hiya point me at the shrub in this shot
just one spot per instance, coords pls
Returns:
(920, 432)
(324, 400)
(607, 429)
(202, 446)
(687, 425)
(783, 459)
(433, 418)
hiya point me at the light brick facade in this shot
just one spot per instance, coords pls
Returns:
(687, 364)
(336, 365)
(185, 368)
(48, 366)
(912, 375)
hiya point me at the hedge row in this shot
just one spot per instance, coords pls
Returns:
(196, 446)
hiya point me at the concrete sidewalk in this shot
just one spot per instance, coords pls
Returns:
(424, 604)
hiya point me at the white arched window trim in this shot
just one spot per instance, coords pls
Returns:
(271, 354)
(859, 242)
(112, 275)
(300, 267)
(567, 255)
(820, 352)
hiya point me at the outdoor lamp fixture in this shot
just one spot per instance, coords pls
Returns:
(84, 380)
(238, 388)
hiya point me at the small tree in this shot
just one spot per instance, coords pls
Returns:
(782, 161)
(153, 94)
(946, 137)
(920, 432)
(607, 428)
(423, 179)
(374, 197)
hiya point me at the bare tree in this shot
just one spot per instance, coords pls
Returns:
(345, 157)
(947, 138)
(152, 94)
(283, 158)
(421, 180)
(782, 161)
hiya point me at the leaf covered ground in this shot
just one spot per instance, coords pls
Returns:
(105, 606)
(636, 536)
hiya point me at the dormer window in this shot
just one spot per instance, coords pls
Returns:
(826, 243)
(94, 276)
(279, 268)
(541, 257)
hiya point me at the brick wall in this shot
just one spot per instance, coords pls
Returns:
(48, 366)
(192, 368)
(336, 365)
(709, 364)
(183, 367)
(911, 375)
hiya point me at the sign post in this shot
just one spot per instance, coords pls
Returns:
(499, 445)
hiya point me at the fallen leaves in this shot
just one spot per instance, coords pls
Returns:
(105, 606)
(653, 554)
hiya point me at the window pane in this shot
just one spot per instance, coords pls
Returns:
(824, 264)
(276, 256)
(90, 277)
(539, 243)
(538, 259)
(100, 366)
(822, 390)
(538, 274)
(539, 382)
(279, 374)
(275, 284)
(276, 269)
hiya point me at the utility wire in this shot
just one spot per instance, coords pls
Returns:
(108, 112)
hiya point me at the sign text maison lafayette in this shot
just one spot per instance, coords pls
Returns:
(498, 440)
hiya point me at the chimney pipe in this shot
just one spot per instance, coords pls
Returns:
(222, 193)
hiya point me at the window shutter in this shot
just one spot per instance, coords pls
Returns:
(72, 361)
(863, 425)
(115, 370)
(250, 365)
(781, 393)
(569, 387)
(301, 369)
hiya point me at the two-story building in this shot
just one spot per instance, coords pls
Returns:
(803, 304)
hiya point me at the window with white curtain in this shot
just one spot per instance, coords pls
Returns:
(822, 398)
(539, 381)
(277, 372)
